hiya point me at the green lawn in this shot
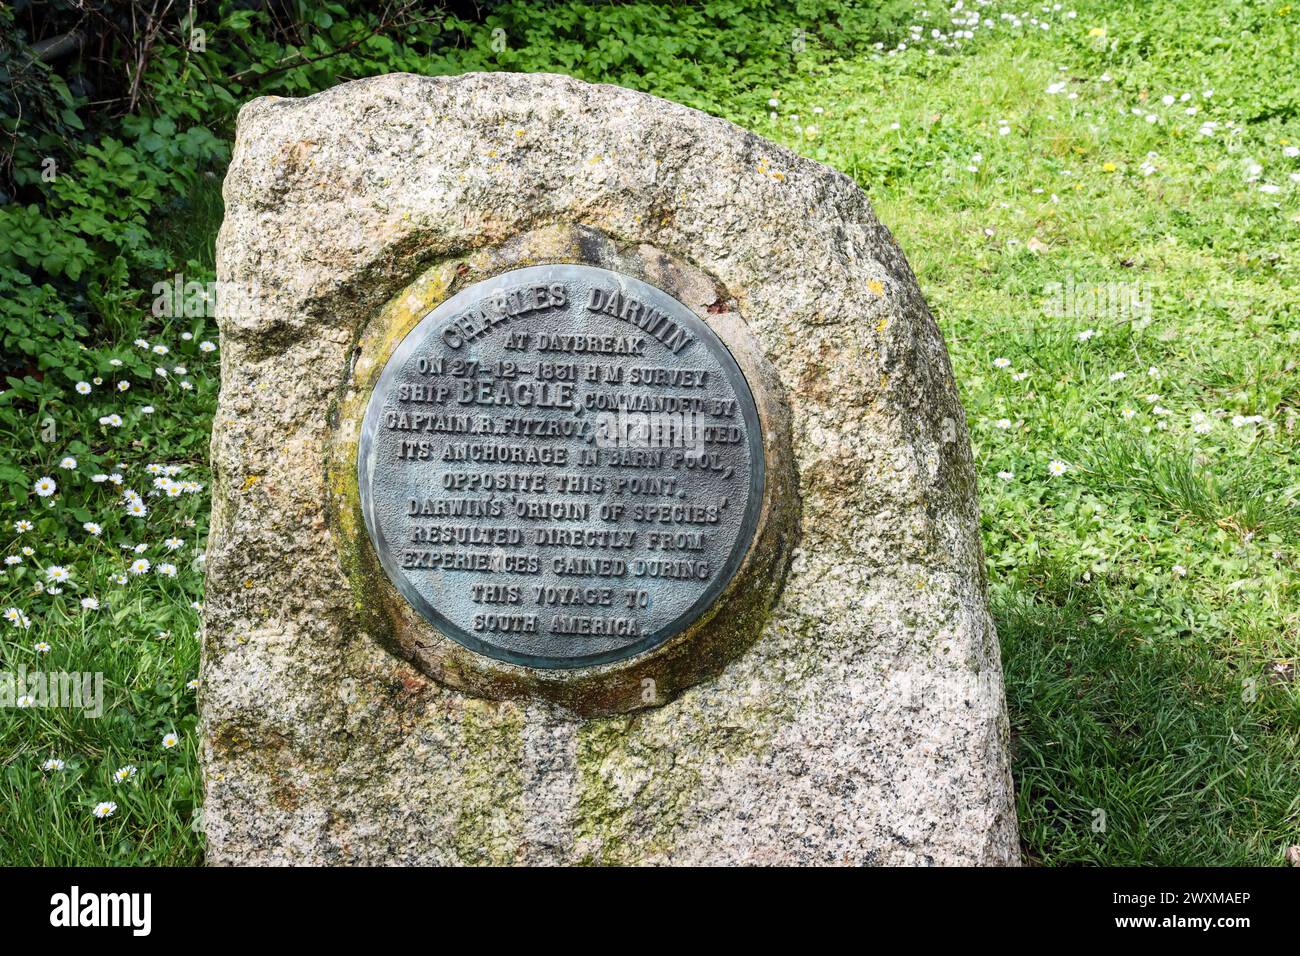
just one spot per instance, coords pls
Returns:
(1103, 217)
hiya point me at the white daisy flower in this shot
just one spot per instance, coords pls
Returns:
(45, 486)
(105, 809)
(1057, 468)
(170, 741)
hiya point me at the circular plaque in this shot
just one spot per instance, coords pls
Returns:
(561, 466)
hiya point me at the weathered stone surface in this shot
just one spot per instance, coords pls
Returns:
(864, 724)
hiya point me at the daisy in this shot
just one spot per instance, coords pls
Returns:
(1057, 468)
(140, 566)
(1006, 475)
(83, 388)
(45, 486)
(13, 559)
(21, 526)
(1002, 362)
(170, 741)
(54, 763)
(91, 528)
(123, 774)
(105, 809)
(173, 543)
(90, 603)
(41, 647)
(194, 684)
(1002, 423)
(207, 347)
(57, 572)
(68, 464)
(114, 421)
(167, 570)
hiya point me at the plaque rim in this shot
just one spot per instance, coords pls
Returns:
(746, 536)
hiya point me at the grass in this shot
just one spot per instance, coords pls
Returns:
(1146, 597)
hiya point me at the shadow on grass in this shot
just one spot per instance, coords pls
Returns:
(1132, 751)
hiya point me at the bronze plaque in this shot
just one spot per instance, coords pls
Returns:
(561, 466)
